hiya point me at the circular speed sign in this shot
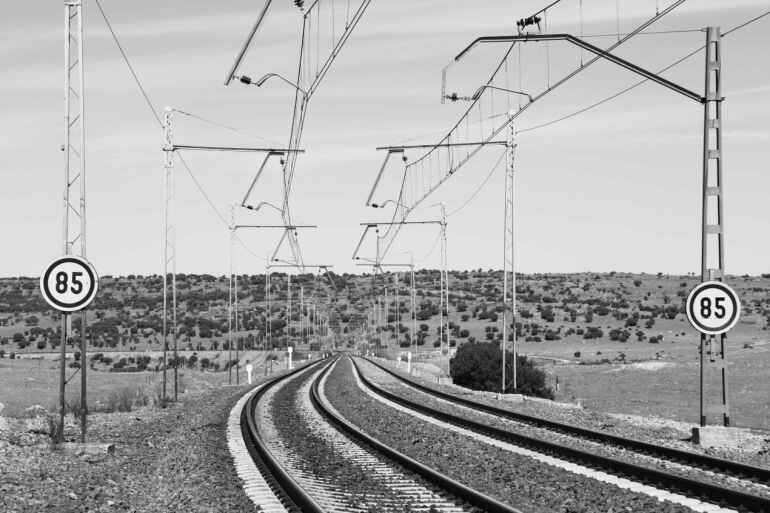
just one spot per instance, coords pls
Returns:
(713, 307)
(69, 283)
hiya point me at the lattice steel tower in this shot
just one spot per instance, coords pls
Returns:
(169, 251)
(74, 226)
(712, 236)
(509, 285)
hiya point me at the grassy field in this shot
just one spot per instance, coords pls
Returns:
(26, 382)
(657, 380)
(618, 341)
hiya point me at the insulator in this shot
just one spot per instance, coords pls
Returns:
(299, 3)
(452, 97)
(404, 158)
(245, 79)
(532, 20)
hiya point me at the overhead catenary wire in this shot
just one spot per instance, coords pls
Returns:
(160, 123)
(234, 129)
(131, 68)
(583, 36)
(637, 84)
(476, 192)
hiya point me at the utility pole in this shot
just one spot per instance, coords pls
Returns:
(74, 163)
(237, 353)
(444, 291)
(712, 233)
(170, 234)
(712, 220)
(398, 317)
(288, 309)
(414, 303)
(386, 313)
(509, 287)
(268, 313)
(230, 301)
(301, 312)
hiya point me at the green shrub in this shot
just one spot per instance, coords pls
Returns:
(478, 366)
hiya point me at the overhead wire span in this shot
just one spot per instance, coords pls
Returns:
(415, 168)
(637, 84)
(430, 252)
(476, 192)
(222, 125)
(131, 68)
(157, 117)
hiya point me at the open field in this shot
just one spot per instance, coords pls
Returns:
(660, 380)
(25, 382)
(617, 341)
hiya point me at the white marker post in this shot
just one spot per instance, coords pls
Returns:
(289, 349)
(408, 362)
(249, 368)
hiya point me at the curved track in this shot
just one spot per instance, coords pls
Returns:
(300, 485)
(740, 470)
(689, 487)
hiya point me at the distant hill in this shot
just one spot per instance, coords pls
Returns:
(127, 312)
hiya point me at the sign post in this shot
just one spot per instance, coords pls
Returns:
(289, 349)
(69, 284)
(713, 308)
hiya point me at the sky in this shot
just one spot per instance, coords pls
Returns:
(615, 188)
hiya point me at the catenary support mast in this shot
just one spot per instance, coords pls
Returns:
(509, 285)
(74, 148)
(712, 234)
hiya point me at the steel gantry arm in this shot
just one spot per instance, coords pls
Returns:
(382, 169)
(588, 47)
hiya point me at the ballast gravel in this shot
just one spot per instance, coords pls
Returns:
(169, 460)
(653, 430)
(399, 388)
(514, 479)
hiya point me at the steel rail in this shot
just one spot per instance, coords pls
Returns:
(447, 484)
(689, 487)
(262, 455)
(694, 459)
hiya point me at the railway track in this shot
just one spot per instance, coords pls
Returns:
(704, 491)
(312, 459)
(702, 461)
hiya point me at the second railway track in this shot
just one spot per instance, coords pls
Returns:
(706, 491)
(317, 461)
(703, 461)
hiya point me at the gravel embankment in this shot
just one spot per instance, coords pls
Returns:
(395, 386)
(517, 480)
(168, 460)
(756, 450)
(312, 455)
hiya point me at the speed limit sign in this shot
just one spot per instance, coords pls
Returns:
(69, 283)
(713, 307)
